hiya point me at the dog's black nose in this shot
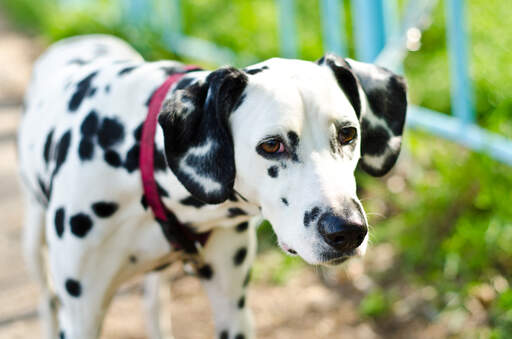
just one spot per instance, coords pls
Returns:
(340, 233)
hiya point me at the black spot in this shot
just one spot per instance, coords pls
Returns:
(110, 133)
(77, 61)
(62, 335)
(161, 267)
(86, 149)
(47, 147)
(81, 224)
(133, 259)
(137, 132)
(104, 209)
(241, 302)
(159, 160)
(247, 278)
(310, 216)
(191, 201)
(107, 89)
(44, 189)
(293, 138)
(205, 272)
(273, 171)
(73, 287)
(131, 162)
(285, 201)
(232, 197)
(112, 158)
(242, 227)
(253, 71)
(91, 92)
(224, 335)
(161, 191)
(144, 202)
(126, 70)
(235, 212)
(59, 222)
(62, 151)
(240, 336)
(82, 87)
(240, 255)
(90, 124)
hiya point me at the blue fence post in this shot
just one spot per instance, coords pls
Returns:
(287, 34)
(369, 29)
(457, 38)
(334, 37)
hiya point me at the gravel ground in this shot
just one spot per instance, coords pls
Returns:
(302, 308)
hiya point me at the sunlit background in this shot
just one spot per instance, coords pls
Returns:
(440, 260)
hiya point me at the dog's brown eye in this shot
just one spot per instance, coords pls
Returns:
(347, 135)
(272, 146)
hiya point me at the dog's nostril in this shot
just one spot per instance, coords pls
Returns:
(338, 238)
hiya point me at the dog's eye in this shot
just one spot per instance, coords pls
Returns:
(272, 146)
(346, 135)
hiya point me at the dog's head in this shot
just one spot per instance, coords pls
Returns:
(288, 135)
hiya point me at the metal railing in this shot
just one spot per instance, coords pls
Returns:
(380, 34)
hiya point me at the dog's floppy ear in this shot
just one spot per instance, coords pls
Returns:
(198, 141)
(380, 101)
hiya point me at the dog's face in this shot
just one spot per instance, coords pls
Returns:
(288, 136)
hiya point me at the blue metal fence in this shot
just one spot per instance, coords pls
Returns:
(381, 35)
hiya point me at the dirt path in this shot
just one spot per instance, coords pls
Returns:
(303, 308)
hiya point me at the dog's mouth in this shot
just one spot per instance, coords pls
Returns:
(333, 258)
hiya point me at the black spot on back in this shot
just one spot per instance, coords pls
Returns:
(133, 259)
(131, 162)
(59, 221)
(242, 227)
(86, 149)
(44, 189)
(241, 302)
(112, 158)
(81, 224)
(240, 255)
(104, 209)
(73, 287)
(126, 70)
(191, 201)
(62, 335)
(205, 272)
(273, 171)
(240, 336)
(62, 151)
(82, 87)
(235, 212)
(110, 133)
(47, 147)
(285, 201)
(224, 335)
(90, 124)
(137, 132)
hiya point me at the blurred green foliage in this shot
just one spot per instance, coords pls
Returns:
(447, 211)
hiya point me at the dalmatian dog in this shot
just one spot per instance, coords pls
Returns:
(280, 139)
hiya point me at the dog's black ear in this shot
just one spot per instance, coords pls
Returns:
(198, 141)
(380, 101)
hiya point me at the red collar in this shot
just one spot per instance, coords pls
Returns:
(176, 233)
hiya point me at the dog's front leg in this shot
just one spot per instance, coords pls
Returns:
(228, 257)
